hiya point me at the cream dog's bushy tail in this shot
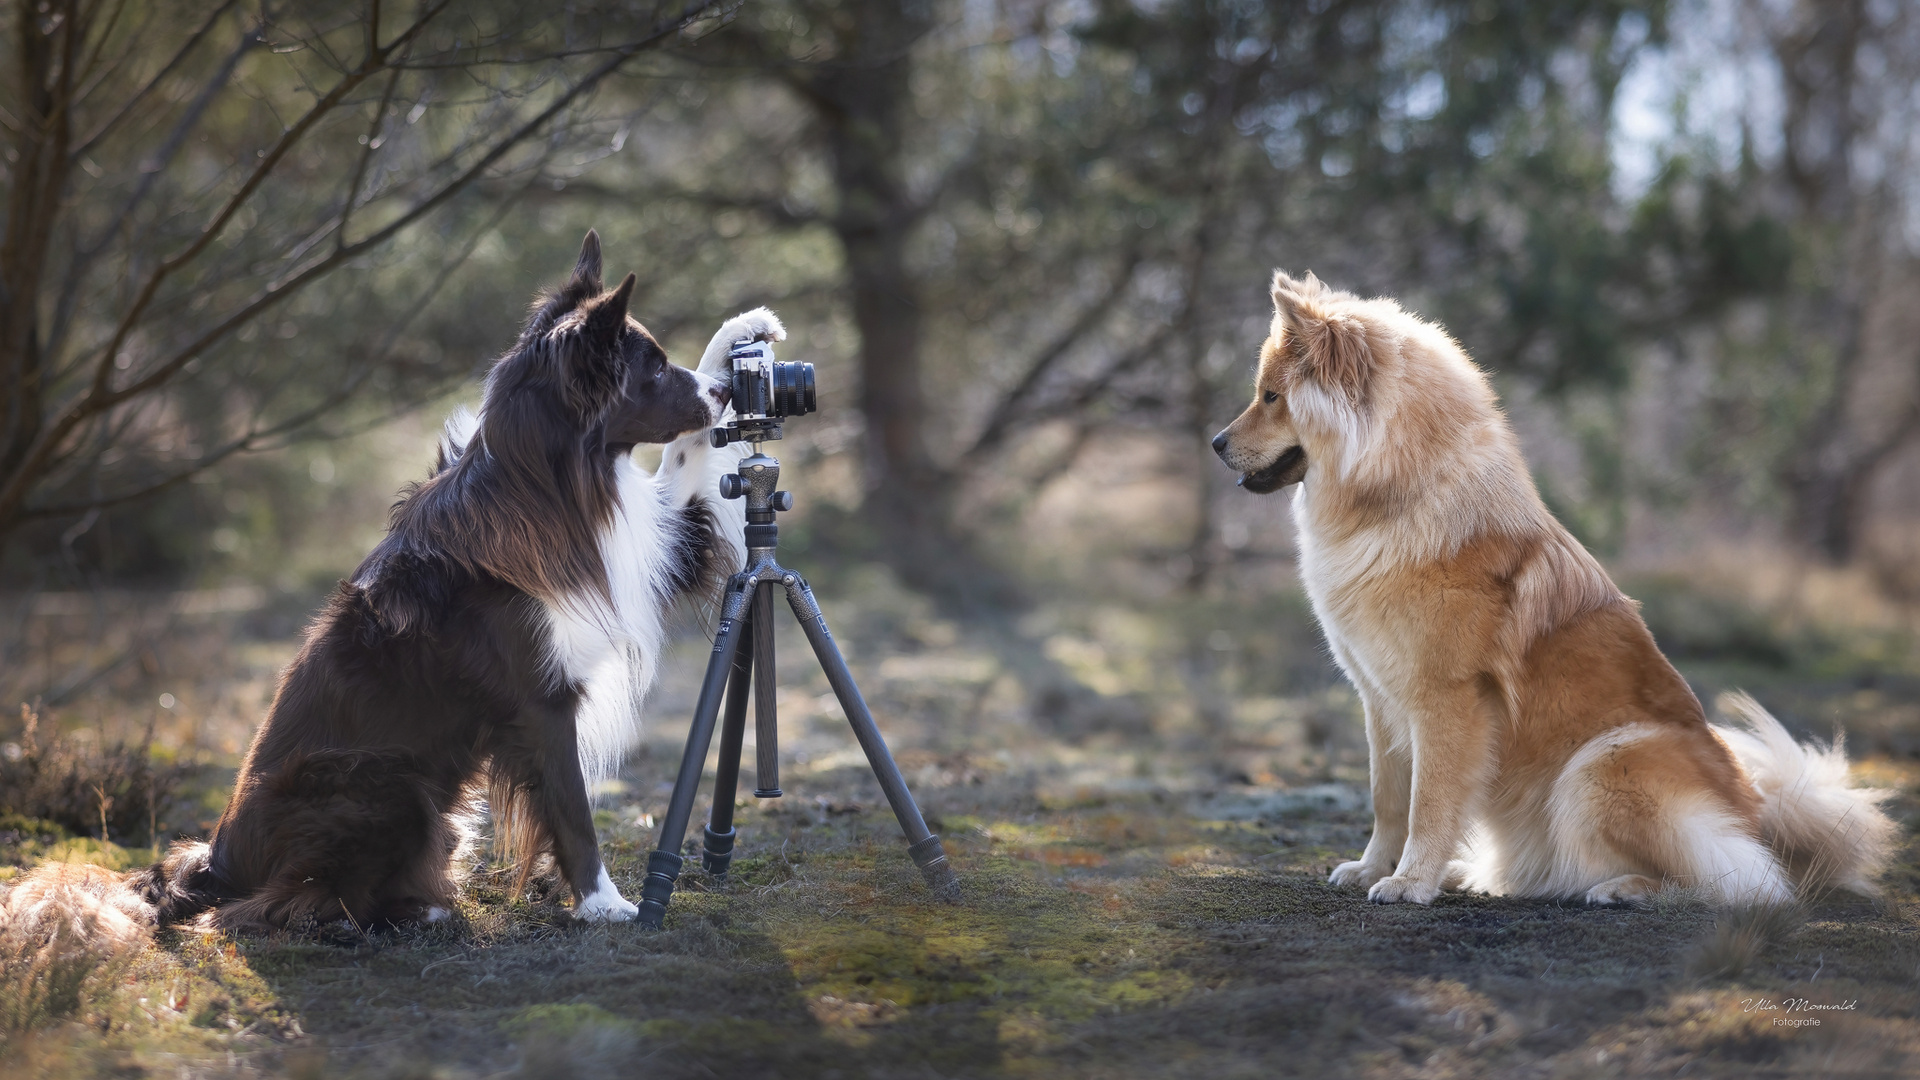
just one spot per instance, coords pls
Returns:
(1825, 833)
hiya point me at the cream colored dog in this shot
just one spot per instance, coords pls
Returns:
(1526, 736)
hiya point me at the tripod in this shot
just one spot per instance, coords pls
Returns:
(743, 654)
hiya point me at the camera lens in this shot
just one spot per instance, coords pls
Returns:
(790, 389)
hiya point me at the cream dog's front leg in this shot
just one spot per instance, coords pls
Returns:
(1390, 774)
(1452, 750)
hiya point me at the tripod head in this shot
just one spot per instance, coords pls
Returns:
(759, 475)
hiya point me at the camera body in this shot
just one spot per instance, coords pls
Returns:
(765, 392)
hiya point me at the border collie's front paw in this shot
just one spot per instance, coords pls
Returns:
(604, 903)
(594, 909)
(1361, 873)
(759, 324)
(1402, 890)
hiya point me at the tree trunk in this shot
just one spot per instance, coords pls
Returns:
(1835, 462)
(39, 175)
(1829, 511)
(863, 99)
(1830, 491)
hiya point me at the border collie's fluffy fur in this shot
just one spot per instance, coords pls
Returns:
(499, 640)
(1518, 712)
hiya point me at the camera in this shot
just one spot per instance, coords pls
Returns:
(765, 391)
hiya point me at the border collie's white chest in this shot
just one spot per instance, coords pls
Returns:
(610, 650)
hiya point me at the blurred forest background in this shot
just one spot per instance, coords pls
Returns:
(253, 252)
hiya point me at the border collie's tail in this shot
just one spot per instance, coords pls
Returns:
(1824, 832)
(180, 886)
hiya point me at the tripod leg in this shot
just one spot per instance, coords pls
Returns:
(717, 853)
(766, 722)
(663, 866)
(923, 845)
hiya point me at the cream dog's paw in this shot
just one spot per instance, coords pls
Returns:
(756, 325)
(1402, 890)
(1625, 889)
(1362, 874)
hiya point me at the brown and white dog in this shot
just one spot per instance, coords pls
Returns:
(1525, 734)
(499, 639)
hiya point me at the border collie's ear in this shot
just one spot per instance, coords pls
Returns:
(1333, 347)
(607, 317)
(586, 271)
(594, 366)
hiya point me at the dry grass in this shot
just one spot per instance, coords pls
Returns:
(87, 787)
(1740, 935)
(50, 974)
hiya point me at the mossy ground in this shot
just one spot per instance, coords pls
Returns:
(1126, 936)
(1144, 896)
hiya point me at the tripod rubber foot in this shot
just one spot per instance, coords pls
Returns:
(767, 793)
(931, 858)
(663, 869)
(717, 856)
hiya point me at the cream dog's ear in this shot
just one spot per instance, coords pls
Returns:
(756, 325)
(1297, 297)
(1333, 344)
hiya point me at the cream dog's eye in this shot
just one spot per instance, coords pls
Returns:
(1270, 397)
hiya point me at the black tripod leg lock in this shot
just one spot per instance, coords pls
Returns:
(663, 869)
(717, 855)
(931, 858)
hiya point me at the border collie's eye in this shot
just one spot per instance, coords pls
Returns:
(1270, 397)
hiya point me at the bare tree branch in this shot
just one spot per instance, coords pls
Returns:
(994, 431)
(101, 395)
(373, 144)
(166, 69)
(151, 170)
(259, 437)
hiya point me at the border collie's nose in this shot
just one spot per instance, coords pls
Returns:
(1220, 444)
